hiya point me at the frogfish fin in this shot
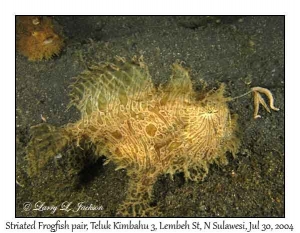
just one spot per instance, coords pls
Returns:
(179, 87)
(108, 85)
(46, 142)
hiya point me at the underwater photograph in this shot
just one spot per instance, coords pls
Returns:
(150, 116)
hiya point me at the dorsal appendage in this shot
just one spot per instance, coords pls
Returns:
(257, 91)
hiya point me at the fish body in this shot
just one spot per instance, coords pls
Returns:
(146, 130)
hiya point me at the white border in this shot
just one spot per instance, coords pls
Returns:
(114, 7)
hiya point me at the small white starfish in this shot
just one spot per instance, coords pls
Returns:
(259, 100)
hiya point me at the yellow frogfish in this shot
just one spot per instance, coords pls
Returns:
(146, 130)
(37, 38)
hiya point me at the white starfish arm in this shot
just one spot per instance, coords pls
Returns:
(256, 105)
